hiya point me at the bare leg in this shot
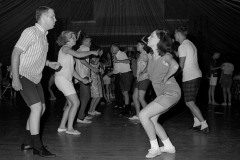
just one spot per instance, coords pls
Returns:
(225, 95)
(141, 98)
(195, 110)
(73, 110)
(65, 115)
(136, 102)
(229, 95)
(151, 110)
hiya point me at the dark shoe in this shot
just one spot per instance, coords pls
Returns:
(43, 152)
(205, 130)
(196, 128)
(25, 147)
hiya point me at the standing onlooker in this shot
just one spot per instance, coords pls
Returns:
(226, 82)
(214, 66)
(28, 60)
(83, 69)
(122, 67)
(192, 75)
(142, 79)
(63, 79)
(161, 69)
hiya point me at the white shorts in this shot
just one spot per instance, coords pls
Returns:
(65, 86)
(213, 81)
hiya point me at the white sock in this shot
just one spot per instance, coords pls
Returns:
(196, 122)
(167, 143)
(154, 144)
(204, 124)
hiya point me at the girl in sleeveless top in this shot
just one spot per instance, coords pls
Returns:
(63, 79)
(161, 68)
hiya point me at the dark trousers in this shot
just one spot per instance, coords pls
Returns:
(85, 95)
(118, 91)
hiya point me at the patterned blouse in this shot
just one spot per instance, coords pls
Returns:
(142, 64)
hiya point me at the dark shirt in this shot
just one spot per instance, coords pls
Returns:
(213, 64)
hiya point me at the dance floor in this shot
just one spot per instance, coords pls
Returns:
(111, 137)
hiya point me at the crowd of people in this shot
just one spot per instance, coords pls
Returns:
(154, 65)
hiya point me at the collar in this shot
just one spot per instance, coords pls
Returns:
(41, 28)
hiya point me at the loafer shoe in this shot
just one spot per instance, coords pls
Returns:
(196, 128)
(26, 147)
(204, 131)
(43, 152)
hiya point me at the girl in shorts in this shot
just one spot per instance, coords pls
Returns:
(63, 79)
(161, 68)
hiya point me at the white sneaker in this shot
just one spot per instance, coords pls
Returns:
(168, 150)
(61, 130)
(85, 121)
(153, 153)
(97, 113)
(133, 118)
(88, 117)
(75, 132)
(92, 113)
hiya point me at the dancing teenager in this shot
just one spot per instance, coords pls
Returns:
(28, 60)
(192, 75)
(142, 80)
(161, 68)
(63, 79)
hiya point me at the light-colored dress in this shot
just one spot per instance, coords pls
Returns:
(96, 85)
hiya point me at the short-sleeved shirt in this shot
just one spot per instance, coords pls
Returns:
(67, 63)
(33, 43)
(191, 68)
(121, 67)
(81, 69)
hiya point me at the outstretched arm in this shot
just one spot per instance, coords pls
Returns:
(78, 54)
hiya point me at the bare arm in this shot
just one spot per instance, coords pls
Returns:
(78, 54)
(15, 62)
(182, 62)
(127, 61)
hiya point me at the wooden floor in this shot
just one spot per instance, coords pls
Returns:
(111, 137)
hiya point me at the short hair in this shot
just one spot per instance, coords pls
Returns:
(64, 37)
(41, 10)
(165, 43)
(86, 38)
(182, 29)
(145, 47)
(116, 44)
